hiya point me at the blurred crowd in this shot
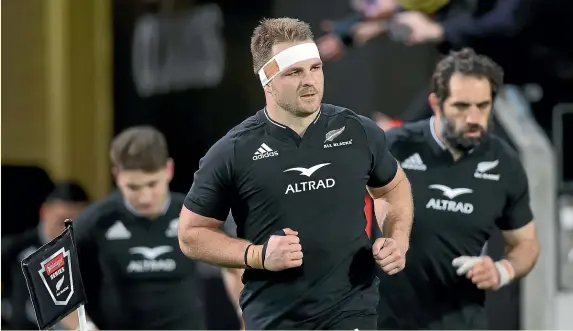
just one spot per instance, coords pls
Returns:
(530, 39)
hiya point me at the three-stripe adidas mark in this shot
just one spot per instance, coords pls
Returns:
(414, 162)
(263, 152)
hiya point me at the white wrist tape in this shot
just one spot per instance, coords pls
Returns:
(90, 326)
(505, 271)
(287, 58)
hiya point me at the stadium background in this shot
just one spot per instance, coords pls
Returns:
(77, 72)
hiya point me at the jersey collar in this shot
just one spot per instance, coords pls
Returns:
(435, 143)
(134, 211)
(284, 131)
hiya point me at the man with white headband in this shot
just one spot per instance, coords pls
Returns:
(294, 176)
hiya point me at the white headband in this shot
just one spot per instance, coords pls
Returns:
(287, 58)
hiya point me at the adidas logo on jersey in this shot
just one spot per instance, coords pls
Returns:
(117, 231)
(263, 152)
(414, 162)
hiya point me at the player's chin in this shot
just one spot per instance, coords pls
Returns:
(147, 211)
(310, 105)
(473, 134)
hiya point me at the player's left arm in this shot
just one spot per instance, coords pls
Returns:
(395, 201)
(391, 191)
(389, 187)
(522, 249)
(518, 230)
(517, 226)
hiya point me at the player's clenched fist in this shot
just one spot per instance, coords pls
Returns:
(388, 255)
(281, 251)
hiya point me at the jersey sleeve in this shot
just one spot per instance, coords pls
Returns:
(517, 211)
(212, 187)
(383, 166)
(88, 252)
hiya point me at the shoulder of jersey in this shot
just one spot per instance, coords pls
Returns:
(250, 125)
(409, 132)
(501, 145)
(100, 211)
(333, 111)
(504, 151)
(335, 114)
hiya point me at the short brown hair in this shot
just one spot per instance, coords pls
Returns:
(466, 62)
(139, 148)
(272, 31)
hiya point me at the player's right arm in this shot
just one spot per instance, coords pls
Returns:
(201, 235)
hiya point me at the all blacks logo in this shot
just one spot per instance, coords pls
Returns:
(338, 144)
(56, 275)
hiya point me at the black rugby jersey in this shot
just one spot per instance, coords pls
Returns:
(457, 205)
(134, 272)
(272, 178)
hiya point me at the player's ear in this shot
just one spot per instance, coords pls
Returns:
(170, 167)
(42, 211)
(114, 172)
(434, 103)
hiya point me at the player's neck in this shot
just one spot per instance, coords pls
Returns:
(165, 203)
(456, 154)
(295, 123)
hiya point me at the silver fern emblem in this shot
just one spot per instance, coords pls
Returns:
(330, 135)
(60, 282)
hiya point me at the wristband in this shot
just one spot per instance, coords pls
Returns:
(246, 255)
(506, 272)
(90, 326)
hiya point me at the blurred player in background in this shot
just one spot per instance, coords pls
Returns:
(135, 275)
(67, 200)
(467, 182)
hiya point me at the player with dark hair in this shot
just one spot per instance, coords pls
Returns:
(466, 182)
(134, 274)
(66, 201)
(294, 175)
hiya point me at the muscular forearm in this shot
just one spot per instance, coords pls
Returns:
(213, 246)
(399, 209)
(523, 257)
